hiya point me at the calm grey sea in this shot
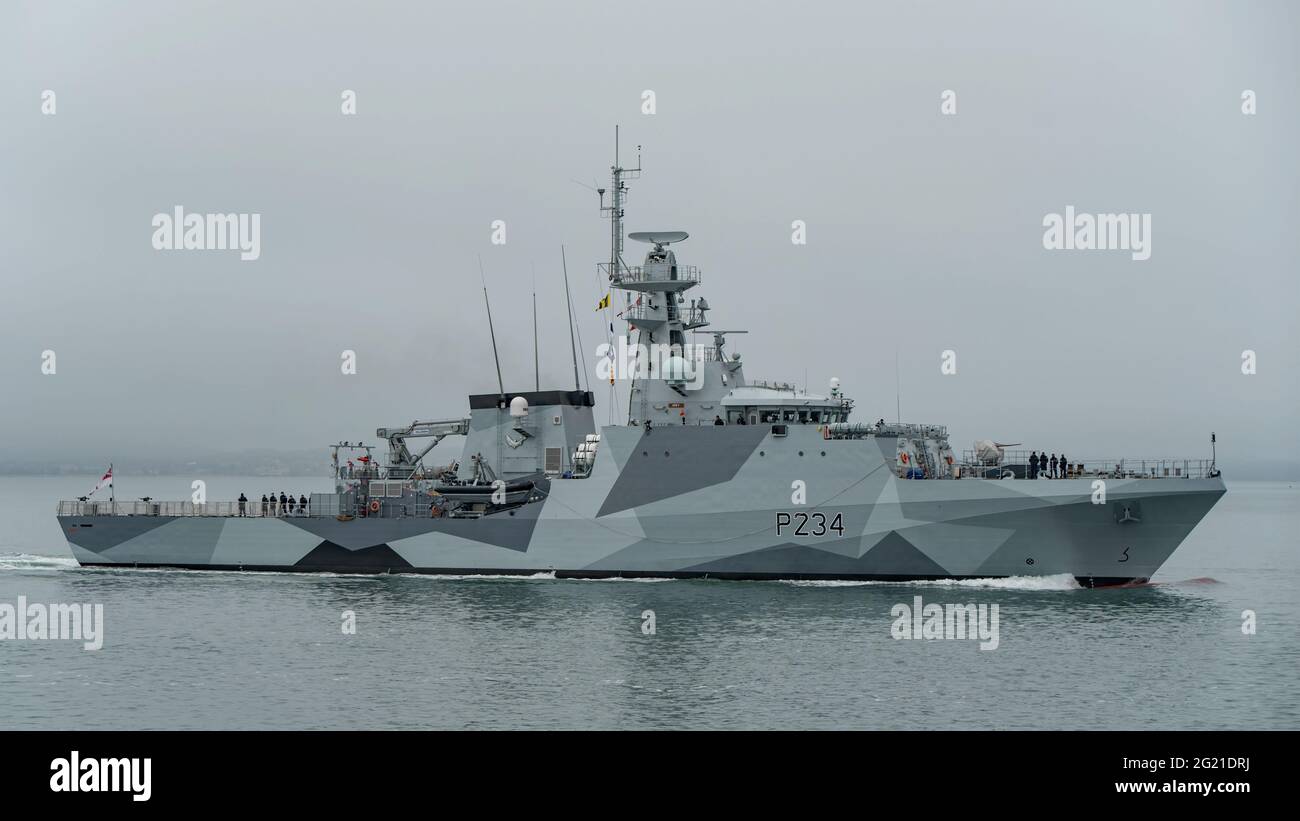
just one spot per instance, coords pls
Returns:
(198, 650)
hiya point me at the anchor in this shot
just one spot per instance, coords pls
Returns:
(1126, 514)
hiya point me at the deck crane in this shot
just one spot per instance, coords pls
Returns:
(401, 464)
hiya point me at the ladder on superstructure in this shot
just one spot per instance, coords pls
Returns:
(923, 453)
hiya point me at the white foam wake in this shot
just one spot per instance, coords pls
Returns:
(1061, 581)
(456, 577)
(634, 579)
(32, 561)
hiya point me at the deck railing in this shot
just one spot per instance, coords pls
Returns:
(320, 505)
(252, 509)
(635, 274)
(862, 430)
(1016, 463)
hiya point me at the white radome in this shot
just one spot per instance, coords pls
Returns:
(518, 407)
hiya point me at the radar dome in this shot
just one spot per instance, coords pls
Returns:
(518, 406)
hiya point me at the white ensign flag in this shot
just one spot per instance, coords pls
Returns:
(104, 482)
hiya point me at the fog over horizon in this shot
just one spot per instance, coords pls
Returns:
(924, 231)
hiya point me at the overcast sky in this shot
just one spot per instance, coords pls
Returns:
(925, 231)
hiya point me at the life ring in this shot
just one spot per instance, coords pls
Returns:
(948, 459)
(826, 431)
(903, 457)
(374, 505)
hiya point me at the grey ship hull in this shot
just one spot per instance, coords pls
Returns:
(705, 502)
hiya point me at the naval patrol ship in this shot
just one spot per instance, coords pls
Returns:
(711, 475)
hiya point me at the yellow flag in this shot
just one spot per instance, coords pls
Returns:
(604, 302)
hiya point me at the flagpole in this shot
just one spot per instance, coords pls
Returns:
(112, 490)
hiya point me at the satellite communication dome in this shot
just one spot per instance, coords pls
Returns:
(678, 371)
(835, 383)
(518, 407)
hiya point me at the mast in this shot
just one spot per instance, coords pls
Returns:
(501, 386)
(616, 214)
(568, 301)
(898, 391)
(537, 372)
(617, 192)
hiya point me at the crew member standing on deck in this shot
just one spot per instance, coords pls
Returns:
(1065, 467)
(265, 503)
(1052, 474)
(243, 503)
(1033, 464)
(284, 500)
(1042, 463)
